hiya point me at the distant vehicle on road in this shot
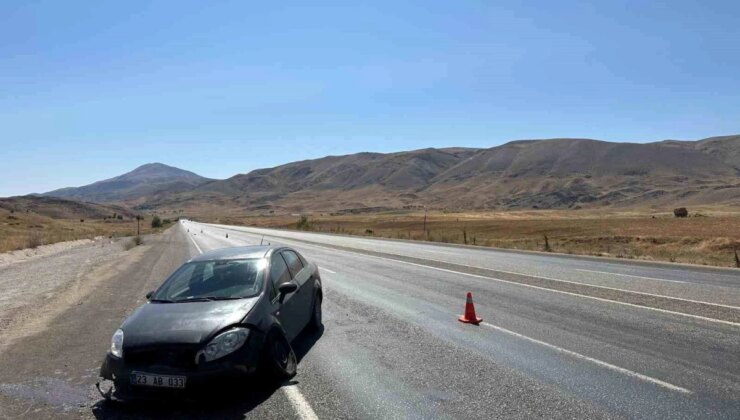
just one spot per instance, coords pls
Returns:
(225, 314)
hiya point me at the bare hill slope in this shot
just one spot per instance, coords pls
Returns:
(135, 186)
(59, 208)
(555, 173)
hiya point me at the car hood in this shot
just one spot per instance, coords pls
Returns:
(182, 323)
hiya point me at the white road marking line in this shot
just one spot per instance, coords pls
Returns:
(571, 293)
(547, 278)
(592, 360)
(676, 270)
(306, 412)
(630, 275)
(200, 251)
(326, 269)
(297, 400)
(703, 318)
(299, 403)
(620, 290)
(593, 285)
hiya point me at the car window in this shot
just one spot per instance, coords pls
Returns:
(303, 260)
(293, 261)
(213, 279)
(180, 280)
(279, 273)
(207, 271)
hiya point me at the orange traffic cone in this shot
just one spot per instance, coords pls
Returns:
(470, 317)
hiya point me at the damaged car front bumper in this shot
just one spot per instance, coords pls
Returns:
(135, 375)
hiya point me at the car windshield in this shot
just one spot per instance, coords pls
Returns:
(213, 280)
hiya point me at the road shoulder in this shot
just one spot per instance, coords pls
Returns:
(50, 357)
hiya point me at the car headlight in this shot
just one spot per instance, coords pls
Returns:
(225, 343)
(116, 343)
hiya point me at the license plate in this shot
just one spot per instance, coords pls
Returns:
(160, 381)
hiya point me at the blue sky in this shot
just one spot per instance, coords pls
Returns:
(89, 90)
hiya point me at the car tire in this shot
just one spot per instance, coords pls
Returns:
(281, 361)
(316, 323)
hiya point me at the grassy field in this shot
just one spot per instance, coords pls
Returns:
(708, 237)
(19, 230)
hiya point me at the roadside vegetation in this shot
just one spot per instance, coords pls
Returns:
(133, 242)
(157, 222)
(709, 237)
(21, 230)
(303, 223)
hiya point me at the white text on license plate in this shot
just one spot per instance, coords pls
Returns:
(163, 381)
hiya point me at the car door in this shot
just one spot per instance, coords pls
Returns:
(288, 311)
(302, 277)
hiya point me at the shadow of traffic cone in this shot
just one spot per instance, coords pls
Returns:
(470, 317)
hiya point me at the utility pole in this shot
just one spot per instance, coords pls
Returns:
(425, 221)
(137, 224)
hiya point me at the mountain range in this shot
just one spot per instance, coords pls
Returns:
(553, 173)
(137, 186)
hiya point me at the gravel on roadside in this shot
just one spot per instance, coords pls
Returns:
(32, 276)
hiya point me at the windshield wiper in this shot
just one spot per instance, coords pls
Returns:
(227, 297)
(207, 298)
(194, 299)
(161, 300)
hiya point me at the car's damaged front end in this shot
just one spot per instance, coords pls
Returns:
(177, 370)
(181, 349)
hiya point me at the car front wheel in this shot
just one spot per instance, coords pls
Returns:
(280, 357)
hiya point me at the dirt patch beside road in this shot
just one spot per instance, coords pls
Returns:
(51, 354)
(44, 306)
(34, 287)
(43, 250)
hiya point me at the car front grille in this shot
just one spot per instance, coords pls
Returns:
(172, 357)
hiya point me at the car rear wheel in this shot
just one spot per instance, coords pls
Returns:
(280, 357)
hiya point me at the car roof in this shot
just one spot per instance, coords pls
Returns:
(238, 252)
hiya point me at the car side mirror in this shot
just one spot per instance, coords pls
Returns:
(149, 295)
(286, 289)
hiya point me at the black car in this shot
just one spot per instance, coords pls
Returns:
(225, 314)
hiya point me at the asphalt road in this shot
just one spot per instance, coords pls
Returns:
(562, 337)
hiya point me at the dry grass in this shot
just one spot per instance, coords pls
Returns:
(21, 230)
(709, 239)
